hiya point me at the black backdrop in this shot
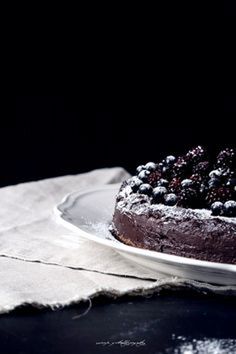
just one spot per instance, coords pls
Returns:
(53, 135)
(172, 89)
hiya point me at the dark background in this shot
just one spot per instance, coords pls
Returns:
(164, 84)
(118, 99)
(53, 135)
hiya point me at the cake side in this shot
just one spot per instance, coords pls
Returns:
(184, 206)
(173, 230)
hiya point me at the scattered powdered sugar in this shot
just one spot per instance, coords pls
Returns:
(202, 346)
(141, 204)
(100, 229)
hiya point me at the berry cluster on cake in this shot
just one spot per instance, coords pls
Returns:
(184, 206)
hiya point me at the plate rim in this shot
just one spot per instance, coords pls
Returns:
(154, 255)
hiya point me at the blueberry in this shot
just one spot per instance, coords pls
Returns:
(170, 199)
(214, 182)
(230, 208)
(158, 194)
(150, 166)
(186, 183)
(162, 182)
(143, 175)
(170, 160)
(145, 188)
(134, 183)
(217, 208)
(139, 169)
(215, 173)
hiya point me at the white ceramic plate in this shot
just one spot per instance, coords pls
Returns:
(89, 213)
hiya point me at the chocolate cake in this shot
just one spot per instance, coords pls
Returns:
(183, 206)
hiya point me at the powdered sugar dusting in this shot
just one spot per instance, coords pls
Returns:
(204, 345)
(128, 201)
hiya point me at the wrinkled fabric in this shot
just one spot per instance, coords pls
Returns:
(44, 264)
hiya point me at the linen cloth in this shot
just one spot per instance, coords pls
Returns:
(44, 264)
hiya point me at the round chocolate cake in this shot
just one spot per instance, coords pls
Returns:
(184, 206)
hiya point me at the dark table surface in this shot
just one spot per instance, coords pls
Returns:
(167, 323)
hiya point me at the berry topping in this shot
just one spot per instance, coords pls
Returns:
(220, 194)
(214, 182)
(186, 183)
(230, 208)
(134, 183)
(231, 182)
(226, 158)
(143, 175)
(166, 172)
(188, 198)
(153, 178)
(139, 169)
(215, 173)
(202, 168)
(170, 199)
(197, 180)
(191, 181)
(150, 166)
(175, 185)
(195, 155)
(181, 168)
(170, 160)
(145, 188)
(217, 208)
(158, 194)
(162, 182)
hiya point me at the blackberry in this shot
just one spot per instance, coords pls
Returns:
(228, 173)
(220, 194)
(175, 185)
(198, 180)
(217, 208)
(145, 189)
(202, 168)
(153, 178)
(203, 190)
(226, 158)
(181, 168)
(195, 155)
(188, 198)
